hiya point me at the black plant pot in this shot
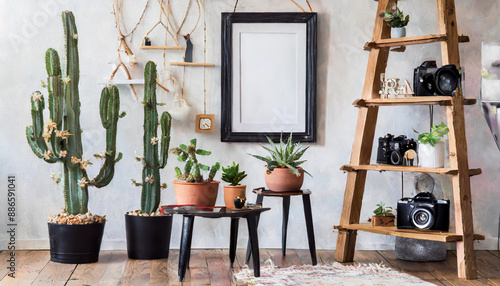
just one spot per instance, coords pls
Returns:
(148, 237)
(75, 244)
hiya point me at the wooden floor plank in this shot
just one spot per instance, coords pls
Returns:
(28, 266)
(326, 256)
(4, 255)
(219, 271)
(198, 268)
(494, 252)
(172, 268)
(137, 272)
(91, 273)
(290, 259)
(115, 267)
(54, 274)
(159, 272)
(304, 256)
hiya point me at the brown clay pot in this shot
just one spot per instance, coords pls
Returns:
(232, 192)
(198, 194)
(383, 220)
(281, 180)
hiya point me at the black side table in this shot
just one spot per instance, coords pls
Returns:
(261, 193)
(189, 213)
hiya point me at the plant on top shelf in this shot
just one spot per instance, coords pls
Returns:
(59, 140)
(396, 20)
(235, 192)
(383, 216)
(191, 188)
(431, 150)
(283, 172)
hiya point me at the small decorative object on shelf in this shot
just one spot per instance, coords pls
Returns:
(423, 211)
(383, 216)
(147, 42)
(398, 150)
(233, 176)
(205, 123)
(191, 188)
(282, 173)
(431, 149)
(390, 88)
(397, 21)
(239, 203)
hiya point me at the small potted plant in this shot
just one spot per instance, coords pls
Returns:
(147, 42)
(397, 21)
(431, 150)
(191, 188)
(148, 232)
(233, 176)
(282, 173)
(383, 216)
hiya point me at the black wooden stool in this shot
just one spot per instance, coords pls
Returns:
(262, 192)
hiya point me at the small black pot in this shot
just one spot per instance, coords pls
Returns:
(148, 237)
(75, 244)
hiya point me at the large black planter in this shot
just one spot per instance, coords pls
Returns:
(75, 244)
(148, 237)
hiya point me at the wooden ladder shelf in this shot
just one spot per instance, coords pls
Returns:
(459, 170)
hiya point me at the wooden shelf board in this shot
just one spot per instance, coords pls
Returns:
(161, 48)
(406, 41)
(414, 100)
(192, 64)
(408, 233)
(399, 168)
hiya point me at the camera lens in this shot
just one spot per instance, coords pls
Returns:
(422, 218)
(396, 158)
(446, 81)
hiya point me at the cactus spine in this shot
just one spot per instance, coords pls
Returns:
(63, 127)
(153, 162)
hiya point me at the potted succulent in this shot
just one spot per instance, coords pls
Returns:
(431, 150)
(75, 234)
(397, 21)
(191, 188)
(383, 216)
(235, 191)
(282, 173)
(148, 231)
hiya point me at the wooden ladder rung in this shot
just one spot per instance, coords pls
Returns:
(414, 100)
(407, 41)
(400, 168)
(408, 233)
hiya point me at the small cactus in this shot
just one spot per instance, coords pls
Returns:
(193, 168)
(63, 130)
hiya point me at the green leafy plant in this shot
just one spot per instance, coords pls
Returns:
(232, 175)
(284, 155)
(437, 132)
(382, 210)
(396, 19)
(192, 169)
(63, 129)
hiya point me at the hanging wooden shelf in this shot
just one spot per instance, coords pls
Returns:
(408, 233)
(414, 100)
(161, 47)
(192, 64)
(399, 168)
(407, 41)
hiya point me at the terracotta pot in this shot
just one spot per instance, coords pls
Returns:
(231, 192)
(282, 180)
(383, 220)
(198, 194)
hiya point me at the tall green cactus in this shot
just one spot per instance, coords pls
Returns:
(153, 162)
(63, 127)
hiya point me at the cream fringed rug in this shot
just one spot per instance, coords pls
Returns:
(336, 274)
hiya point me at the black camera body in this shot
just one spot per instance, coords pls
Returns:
(429, 80)
(424, 212)
(391, 149)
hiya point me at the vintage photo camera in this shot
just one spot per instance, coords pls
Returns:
(392, 150)
(424, 212)
(428, 79)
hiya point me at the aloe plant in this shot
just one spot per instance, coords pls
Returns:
(396, 19)
(232, 174)
(63, 130)
(284, 155)
(193, 168)
(153, 162)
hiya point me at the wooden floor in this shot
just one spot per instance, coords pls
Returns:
(212, 267)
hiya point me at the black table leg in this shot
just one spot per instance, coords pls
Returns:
(260, 199)
(187, 233)
(254, 241)
(284, 227)
(233, 239)
(310, 229)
